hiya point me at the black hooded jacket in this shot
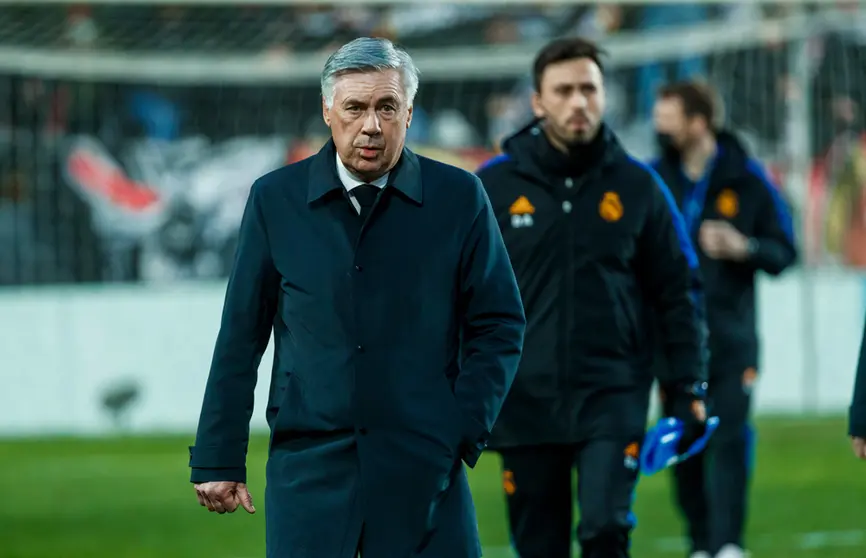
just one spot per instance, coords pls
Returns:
(595, 240)
(737, 190)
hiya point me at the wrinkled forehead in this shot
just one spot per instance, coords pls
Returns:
(370, 87)
(575, 73)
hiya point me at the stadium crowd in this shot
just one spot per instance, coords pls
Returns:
(304, 28)
(60, 237)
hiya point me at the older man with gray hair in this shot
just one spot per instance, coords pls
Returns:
(397, 324)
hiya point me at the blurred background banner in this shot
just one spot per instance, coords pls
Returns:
(123, 128)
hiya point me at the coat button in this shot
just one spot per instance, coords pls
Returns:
(359, 268)
(362, 431)
(360, 348)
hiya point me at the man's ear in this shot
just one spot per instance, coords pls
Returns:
(537, 109)
(409, 119)
(326, 116)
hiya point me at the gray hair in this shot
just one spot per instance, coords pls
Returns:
(368, 54)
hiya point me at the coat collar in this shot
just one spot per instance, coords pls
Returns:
(404, 177)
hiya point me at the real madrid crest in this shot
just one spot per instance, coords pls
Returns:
(727, 204)
(610, 208)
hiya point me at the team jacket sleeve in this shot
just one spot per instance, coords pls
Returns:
(221, 441)
(668, 269)
(493, 328)
(857, 414)
(775, 248)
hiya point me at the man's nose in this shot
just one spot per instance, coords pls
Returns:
(371, 124)
(578, 101)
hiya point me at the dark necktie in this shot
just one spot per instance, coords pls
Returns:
(365, 195)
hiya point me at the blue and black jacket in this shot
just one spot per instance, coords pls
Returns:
(595, 241)
(735, 189)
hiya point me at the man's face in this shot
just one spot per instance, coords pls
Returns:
(368, 121)
(571, 101)
(673, 129)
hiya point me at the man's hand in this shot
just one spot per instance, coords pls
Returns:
(699, 411)
(224, 496)
(859, 446)
(687, 404)
(721, 241)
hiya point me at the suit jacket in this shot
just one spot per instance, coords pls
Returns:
(394, 347)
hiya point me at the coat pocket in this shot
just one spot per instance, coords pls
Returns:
(456, 417)
(602, 330)
(623, 308)
(435, 503)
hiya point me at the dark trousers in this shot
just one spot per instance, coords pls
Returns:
(711, 489)
(538, 486)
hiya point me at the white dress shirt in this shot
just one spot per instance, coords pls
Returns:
(350, 182)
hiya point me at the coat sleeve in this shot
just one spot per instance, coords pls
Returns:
(221, 441)
(775, 249)
(857, 414)
(492, 330)
(667, 267)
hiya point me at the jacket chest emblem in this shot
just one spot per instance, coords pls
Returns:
(728, 204)
(610, 207)
(521, 213)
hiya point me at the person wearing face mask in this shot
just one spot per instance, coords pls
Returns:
(741, 225)
(594, 239)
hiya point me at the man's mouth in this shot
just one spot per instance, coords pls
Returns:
(369, 151)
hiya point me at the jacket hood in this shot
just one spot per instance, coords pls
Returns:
(732, 158)
(516, 143)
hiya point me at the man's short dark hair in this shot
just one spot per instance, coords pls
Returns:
(697, 98)
(563, 50)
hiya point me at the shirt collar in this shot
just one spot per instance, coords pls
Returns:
(349, 181)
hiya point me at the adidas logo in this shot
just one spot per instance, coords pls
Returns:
(521, 213)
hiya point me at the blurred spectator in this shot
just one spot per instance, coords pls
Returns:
(81, 29)
(419, 131)
(158, 117)
(450, 130)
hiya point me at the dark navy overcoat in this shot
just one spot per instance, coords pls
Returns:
(395, 345)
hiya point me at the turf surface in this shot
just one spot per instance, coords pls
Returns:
(129, 498)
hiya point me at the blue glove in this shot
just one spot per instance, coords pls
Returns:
(661, 444)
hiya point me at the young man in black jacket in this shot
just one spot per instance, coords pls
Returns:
(595, 240)
(741, 226)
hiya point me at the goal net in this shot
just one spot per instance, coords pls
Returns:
(130, 134)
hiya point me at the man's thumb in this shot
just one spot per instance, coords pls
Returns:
(245, 498)
(699, 411)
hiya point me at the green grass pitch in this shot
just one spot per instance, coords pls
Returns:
(129, 498)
